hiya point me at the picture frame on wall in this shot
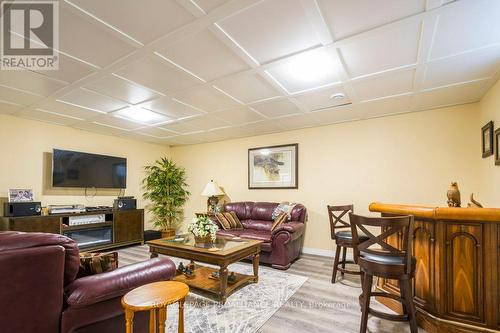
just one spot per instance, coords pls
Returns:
(273, 167)
(497, 146)
(487, 139)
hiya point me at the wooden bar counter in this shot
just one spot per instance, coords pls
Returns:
(457, 282)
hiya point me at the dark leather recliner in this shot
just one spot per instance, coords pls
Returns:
(39, 291)
(281, 246)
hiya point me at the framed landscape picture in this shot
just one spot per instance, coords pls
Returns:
(274, 167)
(497, 146)
(487, 139)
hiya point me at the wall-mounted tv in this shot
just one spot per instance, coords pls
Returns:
(77, 169)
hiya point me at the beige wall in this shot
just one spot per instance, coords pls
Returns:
(409, 158)
(24, 145)
(489, 174)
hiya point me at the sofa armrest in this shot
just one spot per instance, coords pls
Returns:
(293, 227)
(104, 286)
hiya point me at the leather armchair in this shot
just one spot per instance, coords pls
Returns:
(40, 292)
(281, 246)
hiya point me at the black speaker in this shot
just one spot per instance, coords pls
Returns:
(14, 209)
(125, 203)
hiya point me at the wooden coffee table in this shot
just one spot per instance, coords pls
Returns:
(222, 253)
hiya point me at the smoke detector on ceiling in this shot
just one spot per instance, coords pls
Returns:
(337, 96)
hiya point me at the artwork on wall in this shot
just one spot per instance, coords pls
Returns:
(487, 139)
(274, 167)
(497, 146)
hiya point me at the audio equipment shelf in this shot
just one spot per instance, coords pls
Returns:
(121, 228)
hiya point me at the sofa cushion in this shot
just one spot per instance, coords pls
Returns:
(282, 218)
(261, 235)
(257, 224)
(263, 211)
(242, 209)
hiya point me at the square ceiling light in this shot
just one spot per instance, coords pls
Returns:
(140, 115)
(306, 71)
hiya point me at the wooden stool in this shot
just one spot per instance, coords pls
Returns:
(343, 238)
(386, 261)
(155, 297)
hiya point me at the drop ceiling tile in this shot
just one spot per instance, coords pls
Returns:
(375, 52)
(319, 99)
(217, 60)
(142, 21)
(187, 139)
(382, 107)
(110, 120)
(466, 67)
(68, 110)
(180, 127)
(457, 94)
(17, 96)
(334, 115)
(466, 25)
(121, 89)
(101, 129)
(69, 70)
(276, 108)
(346, 18)
(306, 70)
(239, 115)
(206, 122)
(8, 107)
(157, 74)
(387, 84)
(271, 29)
(209, 5)
(156, 132)
(89, 99)
(50, 117)
(297, 121)
(247, 87)
(84, 38)
(170, 107)
(263, 127)
(207, 99)
(30, 81)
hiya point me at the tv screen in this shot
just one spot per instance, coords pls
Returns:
(77, 169)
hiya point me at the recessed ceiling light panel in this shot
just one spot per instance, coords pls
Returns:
(140, 115)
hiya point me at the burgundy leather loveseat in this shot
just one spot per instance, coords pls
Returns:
(39, 291)
(281, 246)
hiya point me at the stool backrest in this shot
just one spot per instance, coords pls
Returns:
(389, 226)
(336, 215)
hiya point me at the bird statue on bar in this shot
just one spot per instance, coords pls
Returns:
(453, 195)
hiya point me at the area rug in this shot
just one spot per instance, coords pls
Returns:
(245, 311)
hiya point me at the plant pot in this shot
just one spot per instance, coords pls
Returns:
(203, 240)
(167, 233)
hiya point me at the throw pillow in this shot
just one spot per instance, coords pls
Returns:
(236, 219)
(279, 221)
(95, 263)
(231, 220)
(284, 207)
(223, 221)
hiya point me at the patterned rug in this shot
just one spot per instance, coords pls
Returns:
(245, 311)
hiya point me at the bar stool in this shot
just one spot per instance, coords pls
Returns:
(343, 239)
(378, 258)
(154, 297)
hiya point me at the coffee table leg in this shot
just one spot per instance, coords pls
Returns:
(162, 317)
(181, 316)
(223, 283)
(255, 262)
(152, 321)
(129, 321)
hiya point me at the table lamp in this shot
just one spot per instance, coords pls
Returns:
(212, 191)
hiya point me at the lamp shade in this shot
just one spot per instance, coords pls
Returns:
(212, 189)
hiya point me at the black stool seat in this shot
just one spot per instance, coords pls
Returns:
(384, 260)
(347, 236)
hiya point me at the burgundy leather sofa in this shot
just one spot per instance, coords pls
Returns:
(39, 291)
(281, 246)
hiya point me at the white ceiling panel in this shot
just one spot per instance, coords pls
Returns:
(239, 115)
(297, 121)
(276, 108)
(69, 70)
(247, 87)
(30, 81)
(101, 129)
(170, 107)
(217, 60)
(207, 98)
(334, 115)
(465, 67)
(157, 74)
(208, 5)
(121, 89)
(83, 39)
(18, 96)
(68, 110)
(466, 25)
(387, 84)
(89, 99)
(206, 122)
(9, 107)
(382, 107)
(344, 17)
(376, 52)
(155, 132)
(323, 98)
(307, 70)
(110, 120)
(144, 21)
(457, 94)
(180, 127)
(262, 127)
(50, 117)
(271, 29)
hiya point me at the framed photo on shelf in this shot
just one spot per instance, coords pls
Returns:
(497, 146)
(273, 167)
(20, 195)
(487, 139)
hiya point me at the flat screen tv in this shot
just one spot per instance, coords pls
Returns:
(77, 169)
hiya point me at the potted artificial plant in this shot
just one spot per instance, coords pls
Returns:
(165, 186)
